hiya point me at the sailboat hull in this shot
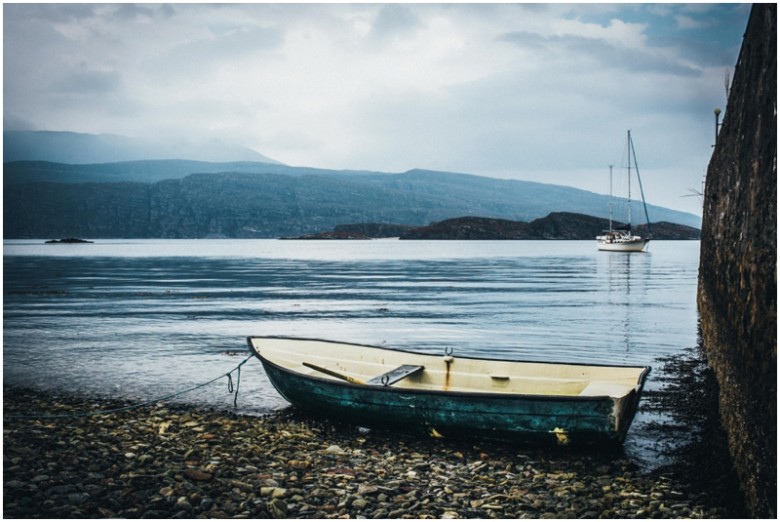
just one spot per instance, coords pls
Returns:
(629, 245)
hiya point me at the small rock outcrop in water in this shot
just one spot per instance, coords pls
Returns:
(738, 269)
(69, 240)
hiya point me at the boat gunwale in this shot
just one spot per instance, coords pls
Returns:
(456, 393)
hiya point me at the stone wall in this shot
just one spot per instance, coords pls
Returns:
(738, 269)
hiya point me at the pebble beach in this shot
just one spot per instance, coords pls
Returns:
(161, 461)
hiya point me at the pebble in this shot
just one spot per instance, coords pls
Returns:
(174, 462)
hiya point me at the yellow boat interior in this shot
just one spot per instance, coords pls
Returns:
(369, 365)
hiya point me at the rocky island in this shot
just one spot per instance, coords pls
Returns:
(557, 225)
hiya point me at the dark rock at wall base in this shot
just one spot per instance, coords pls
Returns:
(694, 439)
(737, 294)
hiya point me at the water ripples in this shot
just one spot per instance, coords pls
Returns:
(142, 326)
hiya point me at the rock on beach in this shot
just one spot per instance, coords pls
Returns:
(174, 462)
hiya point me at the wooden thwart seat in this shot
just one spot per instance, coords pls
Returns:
(395, 375)
(386, 379)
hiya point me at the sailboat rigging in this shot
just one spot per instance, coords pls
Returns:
(622, 239)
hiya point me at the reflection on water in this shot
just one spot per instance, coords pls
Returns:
(627, 277)
(141, 319)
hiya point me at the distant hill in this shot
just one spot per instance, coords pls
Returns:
(266, 201)
(142, 171)
(146, 171)
(79, 148)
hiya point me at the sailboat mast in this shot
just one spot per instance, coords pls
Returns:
(624, 239)
(610, 198)
(642, 193)
(629, 181)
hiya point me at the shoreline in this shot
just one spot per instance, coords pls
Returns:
(164, 461)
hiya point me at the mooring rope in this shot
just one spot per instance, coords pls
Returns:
(165, 398)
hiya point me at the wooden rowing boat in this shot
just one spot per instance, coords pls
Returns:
(453, 396)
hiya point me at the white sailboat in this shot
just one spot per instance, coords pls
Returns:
(622, 239)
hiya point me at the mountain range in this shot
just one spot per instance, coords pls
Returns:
(185, 198)
(80, 148)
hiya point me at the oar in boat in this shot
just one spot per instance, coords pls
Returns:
(334, 373)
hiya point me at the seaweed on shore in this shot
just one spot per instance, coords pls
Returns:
(695, 440)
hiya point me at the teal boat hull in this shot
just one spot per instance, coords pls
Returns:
(561, 420)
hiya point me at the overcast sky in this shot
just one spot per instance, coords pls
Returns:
(541, 92)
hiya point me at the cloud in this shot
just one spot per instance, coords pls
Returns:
(128, 13)
(393, 21)
(232, 43)
(13, 122)
(53, 13)
(597, 52)
(89, 83)
(687, 22)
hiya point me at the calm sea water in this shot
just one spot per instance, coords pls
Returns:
(140, 319)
